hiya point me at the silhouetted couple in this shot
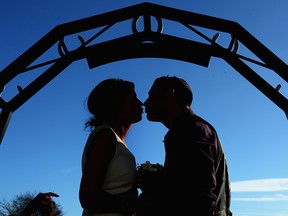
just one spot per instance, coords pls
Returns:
(194, 180)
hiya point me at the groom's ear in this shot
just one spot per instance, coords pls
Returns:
(173, 93)
(170, 92)
(169, 95)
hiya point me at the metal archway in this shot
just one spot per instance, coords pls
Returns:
(139, 44)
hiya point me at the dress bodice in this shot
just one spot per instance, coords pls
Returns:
(121, 172)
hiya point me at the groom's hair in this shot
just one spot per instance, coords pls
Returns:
(181, 88)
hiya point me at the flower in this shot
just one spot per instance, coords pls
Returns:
(147, 174)
(147, 166)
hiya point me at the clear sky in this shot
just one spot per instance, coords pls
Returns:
(42, 147)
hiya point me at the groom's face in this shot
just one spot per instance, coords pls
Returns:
(155, 105)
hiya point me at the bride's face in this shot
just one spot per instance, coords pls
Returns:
(131, 111)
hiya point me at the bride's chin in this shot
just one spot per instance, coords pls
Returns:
(137, 119)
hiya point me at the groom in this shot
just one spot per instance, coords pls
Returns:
(195, 179)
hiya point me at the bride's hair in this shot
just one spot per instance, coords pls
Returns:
(106, 99)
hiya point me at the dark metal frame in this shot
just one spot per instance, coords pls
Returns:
(146, 43)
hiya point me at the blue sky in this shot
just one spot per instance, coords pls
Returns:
(42, 147)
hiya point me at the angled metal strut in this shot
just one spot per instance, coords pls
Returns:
(147, 43)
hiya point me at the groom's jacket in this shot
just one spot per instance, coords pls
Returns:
(195, 177)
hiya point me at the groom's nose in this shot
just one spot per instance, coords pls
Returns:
(145, 102)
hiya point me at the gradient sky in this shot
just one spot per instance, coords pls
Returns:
(42, 147)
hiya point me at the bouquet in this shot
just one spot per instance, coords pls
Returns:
(147, 175)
